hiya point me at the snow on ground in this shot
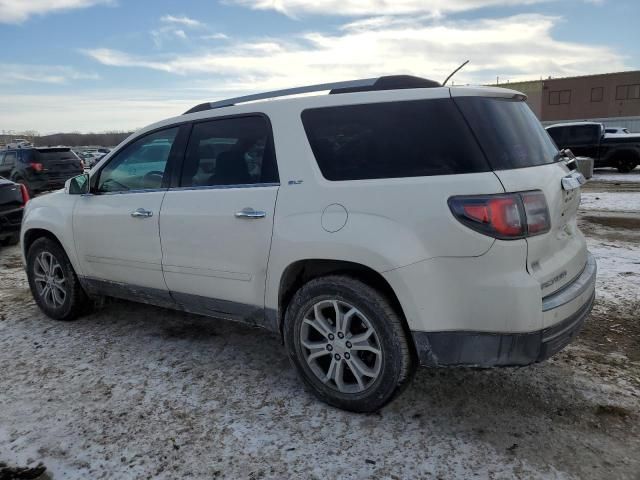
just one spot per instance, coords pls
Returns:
(612, 175)
(618, 270)
(611, 201)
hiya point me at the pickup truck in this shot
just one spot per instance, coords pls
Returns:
(589, 139)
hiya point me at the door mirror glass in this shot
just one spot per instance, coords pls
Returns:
(77, 185)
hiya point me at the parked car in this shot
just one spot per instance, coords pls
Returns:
(391, 223)
(13, 198)
(616, 130)
(588, 139)
(41, 168)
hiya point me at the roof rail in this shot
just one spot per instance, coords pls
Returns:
(392, 82)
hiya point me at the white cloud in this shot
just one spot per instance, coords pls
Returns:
(215, 36)
(517, 47)
(50, 74)
(375, 7)
(92, 111)
(16, 11)
(181, 20)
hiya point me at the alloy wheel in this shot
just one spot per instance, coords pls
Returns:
(50, 280)
(340, 346)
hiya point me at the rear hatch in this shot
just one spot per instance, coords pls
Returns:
(524, 158)
(59, 163)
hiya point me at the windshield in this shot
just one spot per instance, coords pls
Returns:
(508, 132)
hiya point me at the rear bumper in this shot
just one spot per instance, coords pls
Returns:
(482, 349)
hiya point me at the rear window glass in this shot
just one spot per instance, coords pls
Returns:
(391, 140)
(509, 132)
(54, 155)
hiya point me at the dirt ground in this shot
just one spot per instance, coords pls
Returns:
(134, 391)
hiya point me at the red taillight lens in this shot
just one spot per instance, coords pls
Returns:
(537, 213)
(503, 216)
(25, 194)
(38, 167)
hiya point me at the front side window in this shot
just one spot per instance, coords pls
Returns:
(392, 140)
(140, 165)
(231, 151)
(557, 134)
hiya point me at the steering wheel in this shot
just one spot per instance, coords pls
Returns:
(154, 178)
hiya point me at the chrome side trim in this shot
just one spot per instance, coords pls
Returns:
(148, 190)
(224, 187)
(586, 281)
(123, 262)
(206, 272)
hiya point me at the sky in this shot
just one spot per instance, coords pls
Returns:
(100, 65)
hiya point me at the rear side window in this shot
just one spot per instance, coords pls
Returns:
(583, 134)
(509, 132)
(391, 140)
(231, 151)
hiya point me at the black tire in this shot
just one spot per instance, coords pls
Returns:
(12, 240)
(627, 165)
(397, 362)
(75, 301)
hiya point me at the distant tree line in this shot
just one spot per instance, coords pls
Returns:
(107, 139)
(73, 139)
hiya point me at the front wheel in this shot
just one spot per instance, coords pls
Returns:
(53, 282)
(347, 343)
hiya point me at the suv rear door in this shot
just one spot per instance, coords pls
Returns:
(217, 219)
(524, 158)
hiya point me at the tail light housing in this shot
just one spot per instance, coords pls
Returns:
(25, 194)
(508, 216)
(37, 167)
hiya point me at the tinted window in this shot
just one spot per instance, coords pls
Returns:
(558, 135)
(140, 166)
(232, 151)
(509, 132)
(9, 159)
(53, 155)
(583, 134)
(390, 140)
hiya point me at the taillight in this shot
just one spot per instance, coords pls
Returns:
(504, 216)
(82, 165)
(25, 194)
(38, 167)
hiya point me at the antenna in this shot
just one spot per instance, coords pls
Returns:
(454, 72)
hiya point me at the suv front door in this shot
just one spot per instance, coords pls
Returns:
(116, 225)
(216, 221)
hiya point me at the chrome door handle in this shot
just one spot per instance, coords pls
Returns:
(141, 213)
(250, 213)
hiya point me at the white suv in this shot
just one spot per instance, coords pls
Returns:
(389, 223)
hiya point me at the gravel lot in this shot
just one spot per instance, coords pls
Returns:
(134, 391)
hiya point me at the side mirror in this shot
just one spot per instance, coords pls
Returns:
(77, 185)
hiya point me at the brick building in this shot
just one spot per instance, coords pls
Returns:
(610, 98)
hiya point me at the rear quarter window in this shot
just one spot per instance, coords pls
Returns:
(508, 131)
(392, 140)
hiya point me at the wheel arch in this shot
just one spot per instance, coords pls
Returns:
(300, 272)
(33, 234)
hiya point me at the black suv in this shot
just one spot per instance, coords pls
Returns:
(40, 169)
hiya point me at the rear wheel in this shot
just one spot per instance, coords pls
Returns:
(53, 282)
(347, 343)
(626, 165)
